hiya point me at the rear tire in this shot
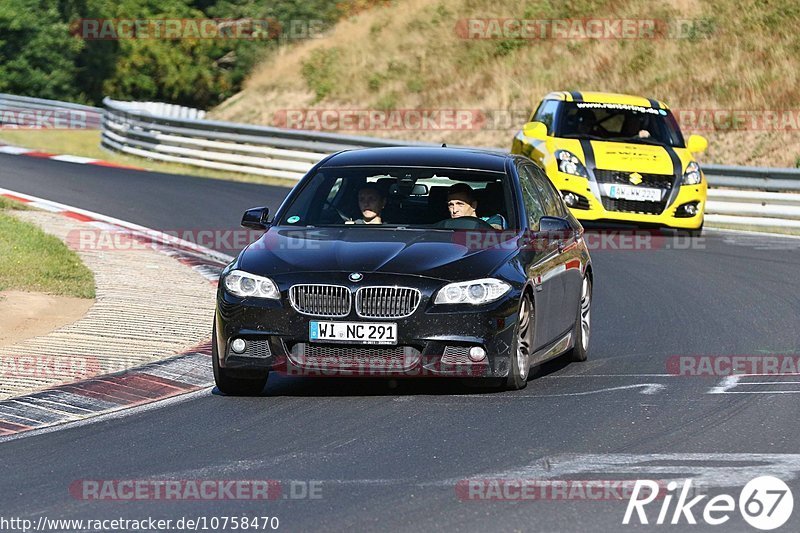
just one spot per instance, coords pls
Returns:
(583, 324)
(244, 383)
(520, 360)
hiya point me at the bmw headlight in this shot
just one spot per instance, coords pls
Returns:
(476, 292)
(692, 174)
(568, 163)
(246, 285)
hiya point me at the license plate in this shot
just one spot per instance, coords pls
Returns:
(353, 332)
(625, 192)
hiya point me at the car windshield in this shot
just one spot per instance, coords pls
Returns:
(619, 122)
(408, 197)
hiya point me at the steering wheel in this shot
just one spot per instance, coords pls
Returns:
(344, 217)
(463, 223)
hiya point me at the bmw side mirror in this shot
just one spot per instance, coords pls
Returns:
(555, 228)
(256, 218)
(554, 225)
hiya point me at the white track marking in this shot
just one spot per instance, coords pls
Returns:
(728, 382)
(612, 376)
(647, 388)
(74, 159)
(740, 467)
(735, 381)
(14, 150)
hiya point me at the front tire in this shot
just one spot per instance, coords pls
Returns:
(244, 383)
(520, 361)
(697, 232)
(583, 324)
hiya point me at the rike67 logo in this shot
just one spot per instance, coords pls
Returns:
(765, 503)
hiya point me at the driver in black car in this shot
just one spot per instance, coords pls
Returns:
(371, 202)
(461, 202)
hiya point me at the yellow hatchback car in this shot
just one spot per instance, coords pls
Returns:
(616, 157)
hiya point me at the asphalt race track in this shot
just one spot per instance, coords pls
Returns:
(389, 456)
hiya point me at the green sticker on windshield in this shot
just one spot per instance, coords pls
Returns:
(293, 219)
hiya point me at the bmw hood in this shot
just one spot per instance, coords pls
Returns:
(438, 254)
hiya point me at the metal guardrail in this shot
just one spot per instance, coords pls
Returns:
(738, 196)
(261, 150)
(37, 113)
(736, 177)
(753, 197)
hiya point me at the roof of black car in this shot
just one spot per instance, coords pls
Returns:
(421, 156)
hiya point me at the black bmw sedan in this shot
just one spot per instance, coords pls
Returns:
(407, 262)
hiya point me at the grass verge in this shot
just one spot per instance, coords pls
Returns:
(86, 143)
(31, 260)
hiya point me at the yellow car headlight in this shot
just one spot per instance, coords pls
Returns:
(692, 175)
(568, 163)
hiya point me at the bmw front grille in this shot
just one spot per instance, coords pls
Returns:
(386, 302)
(334, 301)
(321, 300)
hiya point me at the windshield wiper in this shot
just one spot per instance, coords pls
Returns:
(582, 136)
(637, 139)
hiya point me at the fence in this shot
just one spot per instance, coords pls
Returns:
(738, 196)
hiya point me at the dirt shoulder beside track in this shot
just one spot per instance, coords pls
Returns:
(148, 307)
(30, 314)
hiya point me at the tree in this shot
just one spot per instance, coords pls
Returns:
(37, 53)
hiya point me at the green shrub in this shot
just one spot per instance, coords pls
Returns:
(320, 71)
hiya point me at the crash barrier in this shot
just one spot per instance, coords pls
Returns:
(228, 146)
(753, 197)
(738, 196)
(160, 109)
(23, 112)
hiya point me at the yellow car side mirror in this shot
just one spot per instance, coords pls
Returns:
(696, 144)
(535, 130)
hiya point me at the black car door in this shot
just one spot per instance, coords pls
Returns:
(568, 258)
(541, 258)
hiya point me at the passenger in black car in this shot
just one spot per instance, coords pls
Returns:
(371, 202)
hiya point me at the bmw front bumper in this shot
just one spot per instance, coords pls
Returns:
(433, 341)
